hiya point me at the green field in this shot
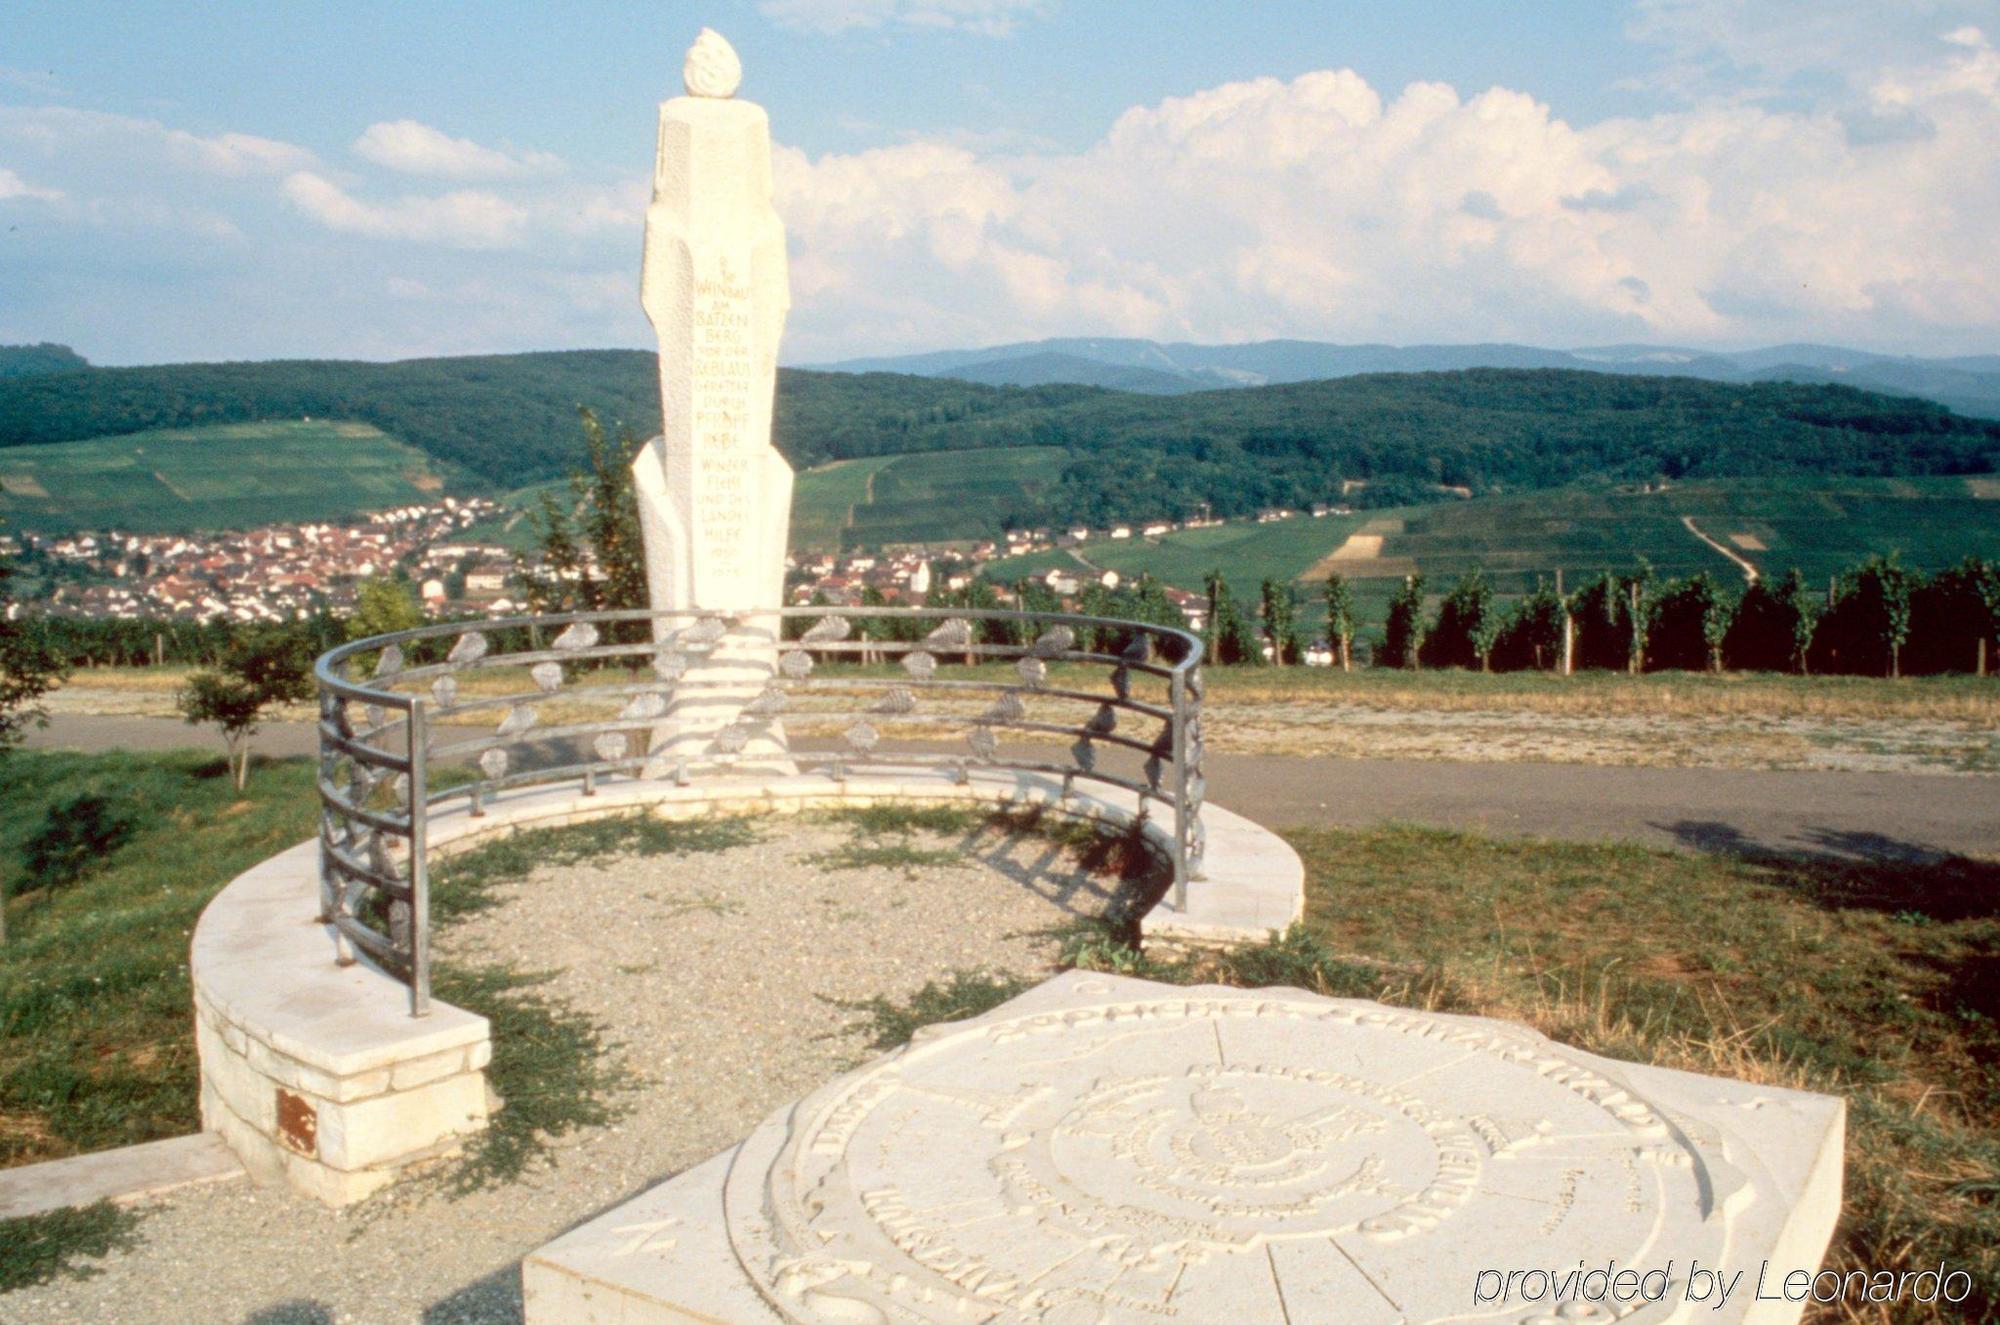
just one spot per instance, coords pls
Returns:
(926, 497)
(226, 476)
(1820, 525)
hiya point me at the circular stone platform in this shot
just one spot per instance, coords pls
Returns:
(1227, 1155)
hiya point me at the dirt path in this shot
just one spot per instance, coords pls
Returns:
(1749, 571)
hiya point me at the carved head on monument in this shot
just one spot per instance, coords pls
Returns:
(712, 68)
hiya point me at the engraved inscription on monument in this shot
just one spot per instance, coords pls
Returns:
(1213, 1155)
(714, 496)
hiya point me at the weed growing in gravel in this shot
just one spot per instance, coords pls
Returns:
(464, 884)
(884, 856)
(36, 1248)
(549, 1068)
(889, 1024)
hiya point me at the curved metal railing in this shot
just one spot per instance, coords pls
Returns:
(464, 709)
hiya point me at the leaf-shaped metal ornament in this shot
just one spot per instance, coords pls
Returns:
(861, 737)
(984, 744)
(643, 708)
(769, 704)
(920, 665)
(955, 633)
(445, 690)
(828, 629)
(1121, 681)
(1034, 672)
(548, 676)
(797, 664)
(1155, 770)
(1007, 708)
(519, 718)
(1103, 722)
(731, 739)
(1197, 683)
(337, 714)
(1084, 753)
(471, 647)
(1137, 649)
(1057, 639)
(1197, 789)
(670, 665)
(579, 635)
(610, 747)
(401, 786)
(494, 764)
(390, 663)
(376, 717)
(898, 700)
(1197, 840)
(708, 630)
(361, 782)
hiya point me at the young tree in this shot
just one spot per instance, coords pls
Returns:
(1466, 627)
(384, 605)
(1403, 632)
(1229, 638)
(1690, 619)
(263, 666)
(30, 667)
(1278, 608)
(593, 557)
(1635, 609)
(1531, 635)
(1340, 620)
(1877, 593)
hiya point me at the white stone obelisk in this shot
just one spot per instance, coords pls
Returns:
(715, 498)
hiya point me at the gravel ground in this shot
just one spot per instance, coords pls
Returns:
(712, 973)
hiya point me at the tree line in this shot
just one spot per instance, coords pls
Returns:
(502, 421)
(1878, 618)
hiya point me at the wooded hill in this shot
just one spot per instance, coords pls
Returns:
(504, 421)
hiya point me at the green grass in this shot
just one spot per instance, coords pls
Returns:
(37, 1248)
(218, 477)
(96, 1010)
(925, 497)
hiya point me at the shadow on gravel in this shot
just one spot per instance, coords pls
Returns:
(300, 1311)
(489, 1300)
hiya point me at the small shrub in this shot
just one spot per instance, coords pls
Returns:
(76, 836)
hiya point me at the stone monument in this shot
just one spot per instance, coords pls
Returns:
(715, 498)
(1109, 1151)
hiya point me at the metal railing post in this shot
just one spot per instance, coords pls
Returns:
(1177, 689)
(420, 880)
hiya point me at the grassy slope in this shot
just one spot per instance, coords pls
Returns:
(928, 497)
(216, 477)
(96, 1022)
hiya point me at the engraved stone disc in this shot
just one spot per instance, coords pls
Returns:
(1107, 1152)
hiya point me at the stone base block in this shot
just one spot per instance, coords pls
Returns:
(1118, 1152)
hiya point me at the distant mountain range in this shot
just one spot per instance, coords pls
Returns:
(1969, 385)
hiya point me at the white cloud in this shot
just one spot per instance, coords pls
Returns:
(94, 137)
(12, 186)
(1320, 208)
(412, 148)
(990, 18)
(463, 219)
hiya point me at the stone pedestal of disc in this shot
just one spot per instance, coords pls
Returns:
(1106, 1151)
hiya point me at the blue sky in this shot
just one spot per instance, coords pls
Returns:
(385, 180)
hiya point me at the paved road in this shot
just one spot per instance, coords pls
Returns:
(1872, 815)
